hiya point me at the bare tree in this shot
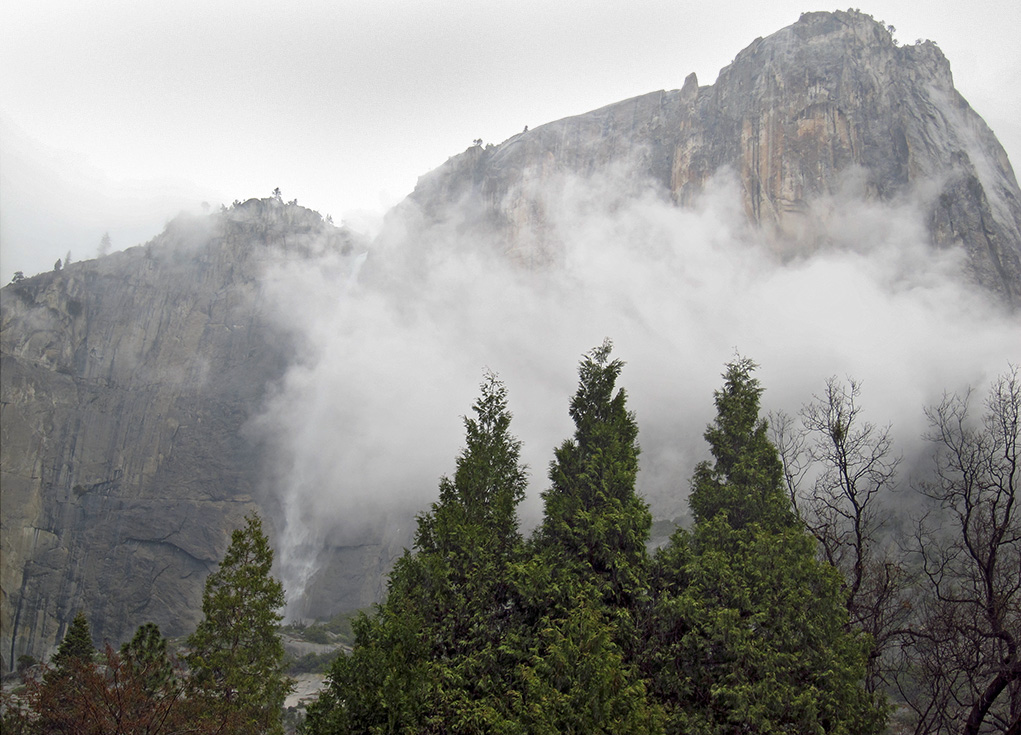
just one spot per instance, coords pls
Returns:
(852, 465)
(964, 674)
(789, 437)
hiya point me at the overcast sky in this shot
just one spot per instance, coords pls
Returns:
(116, 114)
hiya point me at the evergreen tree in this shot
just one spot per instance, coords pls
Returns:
(595, 525)
(76, 645)
(487, 486)
(434, 657)
(133, 691)
(55, 699)
(146, 656)
(749, 632)
(576, 679)
(586, 578)
(237, 657)
(745, 480)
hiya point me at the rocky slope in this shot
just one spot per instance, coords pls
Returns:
(830, 106)
(127, 381)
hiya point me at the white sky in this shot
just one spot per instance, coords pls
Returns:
(116, 114)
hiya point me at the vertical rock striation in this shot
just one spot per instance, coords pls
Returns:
(827, 103)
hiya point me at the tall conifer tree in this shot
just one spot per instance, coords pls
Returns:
(744, 483)
(750, 628)
(434, 657)
(595, 524)
(76, 645)
(586, 577)
(237, 657)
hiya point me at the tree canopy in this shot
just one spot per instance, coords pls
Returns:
(735, 626)
(762, 617)
(434, 656)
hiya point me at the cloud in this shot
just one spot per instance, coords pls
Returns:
(368, 419)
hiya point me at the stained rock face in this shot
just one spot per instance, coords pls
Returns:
(827, 103)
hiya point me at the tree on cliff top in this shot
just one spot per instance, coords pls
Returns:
(237, 658)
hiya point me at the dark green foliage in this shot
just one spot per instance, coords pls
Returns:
(756, 638)
(595, 525)
(25, 662)
(576, 679)
(488, 484)
(341, 626)
(749, 632)
(736, 626)
(745, 480)
(312, 663)
(55, 698)
(237, 658)
(77, 644)
(586, 577)
(146, 655)
(433, 657)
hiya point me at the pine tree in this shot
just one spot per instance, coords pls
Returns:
(56, 699)
(146, 656)
(237, 657)
(749, 631)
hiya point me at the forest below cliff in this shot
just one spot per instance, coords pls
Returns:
(831, 204)
(789, 605)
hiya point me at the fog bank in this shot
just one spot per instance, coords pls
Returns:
(395, 341)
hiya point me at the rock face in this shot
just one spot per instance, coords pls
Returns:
(827, 104)
(127, 381)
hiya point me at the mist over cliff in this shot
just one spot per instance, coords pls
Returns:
(829, 206)
(363, 427)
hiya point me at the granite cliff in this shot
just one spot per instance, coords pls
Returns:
(129, 382)
(828, 106)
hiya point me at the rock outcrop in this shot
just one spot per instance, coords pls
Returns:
(827, 104)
